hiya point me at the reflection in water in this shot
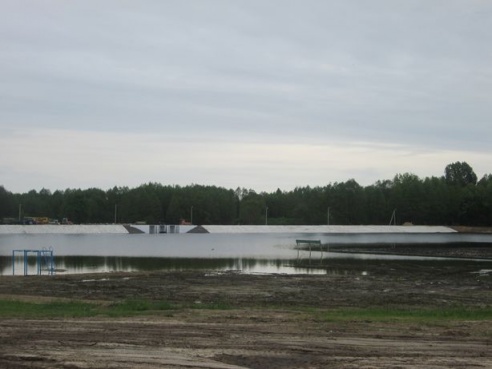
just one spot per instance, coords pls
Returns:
(333, 264)
(99, 264)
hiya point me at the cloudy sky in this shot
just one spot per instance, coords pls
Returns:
(257, 94)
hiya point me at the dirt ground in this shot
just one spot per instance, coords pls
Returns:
(272, 321)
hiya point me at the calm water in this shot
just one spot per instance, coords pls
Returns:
(250, 253)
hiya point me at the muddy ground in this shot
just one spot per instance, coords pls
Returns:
(271, 321)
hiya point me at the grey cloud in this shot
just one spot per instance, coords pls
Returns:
(409, 72)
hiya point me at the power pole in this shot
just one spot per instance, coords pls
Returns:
(393, 218)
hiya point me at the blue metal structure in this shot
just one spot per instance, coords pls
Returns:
(43, 257)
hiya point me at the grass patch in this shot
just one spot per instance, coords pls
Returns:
(137, 307)
(420, 315)
(74, 309)
(21, 309)
(211, 306)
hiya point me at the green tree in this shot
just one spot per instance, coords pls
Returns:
(8, 206)
(377, 206)
(347, 203)
(455, 198)
(407, 195)
(460, 174)
(485, 195)
(253, 209)
(75, 206)
(174, 211)
(98, 208)
(436, 204)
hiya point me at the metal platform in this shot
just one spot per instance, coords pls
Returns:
(43, 257)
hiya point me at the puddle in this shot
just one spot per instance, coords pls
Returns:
(483, 272)
(95, 280)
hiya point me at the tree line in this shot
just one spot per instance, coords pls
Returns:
(455, 198)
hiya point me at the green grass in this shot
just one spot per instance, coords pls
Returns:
(212, 306)
(126, 308)
(137, 307)
(417, 315)
(21, 309)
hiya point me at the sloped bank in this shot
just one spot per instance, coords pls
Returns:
(223, 229)
(64, 229)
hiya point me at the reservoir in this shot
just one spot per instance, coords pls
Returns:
(248, 252)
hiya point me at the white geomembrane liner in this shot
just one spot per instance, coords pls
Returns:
(233, 229)
(63, 229)
(327, 229)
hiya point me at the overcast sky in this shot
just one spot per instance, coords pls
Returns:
(256, 94)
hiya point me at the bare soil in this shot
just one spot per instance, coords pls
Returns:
(273, 321)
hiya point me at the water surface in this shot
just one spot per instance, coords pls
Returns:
(250, 253)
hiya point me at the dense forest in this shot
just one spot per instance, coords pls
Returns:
(455, 198)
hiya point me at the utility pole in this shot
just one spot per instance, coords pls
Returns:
(328, 217)
(266, 216)
(20, 212)
(115, 212)
(393, 218)
(191, 215)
